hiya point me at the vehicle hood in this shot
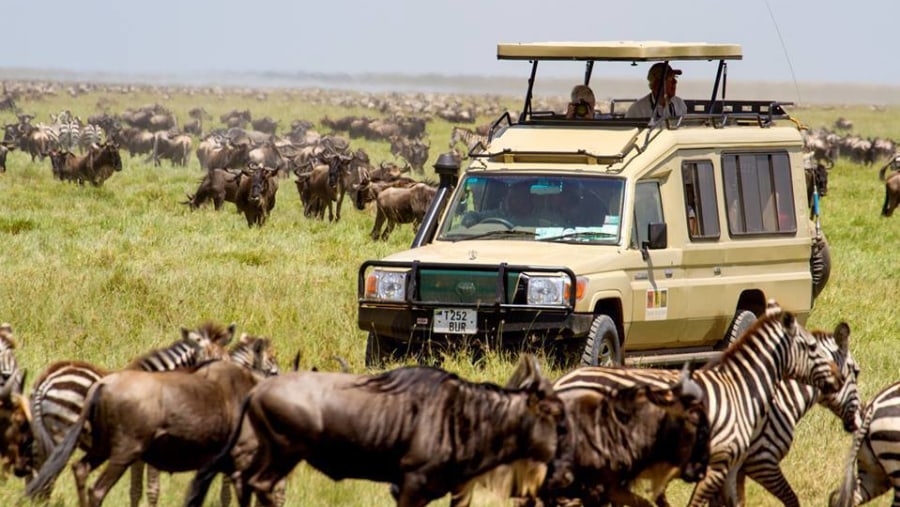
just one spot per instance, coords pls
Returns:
(532, 253)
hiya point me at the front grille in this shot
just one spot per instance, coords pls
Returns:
(464, 286)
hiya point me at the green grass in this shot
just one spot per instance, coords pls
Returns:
(104, 274)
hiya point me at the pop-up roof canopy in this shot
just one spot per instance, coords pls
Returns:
(646, 51)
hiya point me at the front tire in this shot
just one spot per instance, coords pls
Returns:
(602, 347)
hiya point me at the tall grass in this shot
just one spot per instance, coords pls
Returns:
(104, 274)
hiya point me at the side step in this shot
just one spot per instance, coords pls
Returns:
(672, 359)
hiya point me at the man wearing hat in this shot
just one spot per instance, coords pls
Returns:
(662, 79)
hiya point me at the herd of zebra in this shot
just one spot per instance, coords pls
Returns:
(755, 394)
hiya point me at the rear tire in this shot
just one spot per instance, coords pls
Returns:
(379, 350)
(602, 345)
(741, 322)
(820, 265)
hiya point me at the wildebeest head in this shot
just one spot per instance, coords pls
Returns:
(16, 437)
(685, 431)
(261, 180)
(545, 408)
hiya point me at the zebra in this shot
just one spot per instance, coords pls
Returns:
(68, 135)
(11, 376)
(469, 138)
(739, 387)
(872, 467)
(792, 401)
(60, 392)
(90, 135)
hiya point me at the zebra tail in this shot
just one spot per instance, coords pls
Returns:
(204, 477)
(42, 484)
(43, 440)
(847, 492)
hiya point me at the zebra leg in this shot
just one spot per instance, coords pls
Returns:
(709, 488)
(773, 480)
(152, 486)
(872, 480)
(137, 483)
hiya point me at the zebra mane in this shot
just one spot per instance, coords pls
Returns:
(216, 332)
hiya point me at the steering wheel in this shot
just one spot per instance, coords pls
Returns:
(498, 220)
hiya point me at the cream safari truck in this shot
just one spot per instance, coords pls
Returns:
(607, 240)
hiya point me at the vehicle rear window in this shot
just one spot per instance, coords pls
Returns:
(759, 193)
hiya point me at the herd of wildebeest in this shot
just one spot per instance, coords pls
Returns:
(590, 436)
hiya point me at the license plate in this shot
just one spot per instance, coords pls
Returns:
(455, 321)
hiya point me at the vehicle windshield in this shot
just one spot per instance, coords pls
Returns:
(580, 209)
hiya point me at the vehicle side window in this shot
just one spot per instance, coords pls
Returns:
(647, 208)
(700, 199)
(759, 193)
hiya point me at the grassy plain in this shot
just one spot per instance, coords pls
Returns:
(104, 274)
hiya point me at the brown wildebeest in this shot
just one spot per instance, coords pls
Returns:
(618, 438)
(95, 167)
(176, 148)
(255, 196)
(891, 194)
(423, 430)
(174, 421)
(401, 205)
(219, 185)
(4, 149)
(229, 156)
(16, 437)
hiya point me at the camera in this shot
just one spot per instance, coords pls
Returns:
(582, 108)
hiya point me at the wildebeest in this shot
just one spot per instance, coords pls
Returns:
(15, 418)
(227, 156)
(891, 194)
(401, 205)
(95, 167)
(613, 440)
(423, 430)
(176, 148)
(255, 196)
(218, 185)
(174, 421)
(4, 149)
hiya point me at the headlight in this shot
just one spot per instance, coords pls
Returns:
(386, 285)
(547, 290)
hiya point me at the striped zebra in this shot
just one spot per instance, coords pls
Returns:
(873, 467)
(59, 393)
(739, 387)
(68, 135)
(792, 401)
(11, 376)
(469, 138)
(90, 135)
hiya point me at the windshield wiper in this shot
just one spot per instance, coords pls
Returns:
(491, 234)
(578, 234)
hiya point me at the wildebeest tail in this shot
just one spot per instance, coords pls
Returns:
(42, 484)
(844, 497)
(204, 477)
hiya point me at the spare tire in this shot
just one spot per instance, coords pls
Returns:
(820, 265)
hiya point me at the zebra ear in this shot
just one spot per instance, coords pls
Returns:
(185, 333)
(790, 323)
(842, 337)
(773, 308)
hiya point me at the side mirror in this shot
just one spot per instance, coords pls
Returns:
(657, 238)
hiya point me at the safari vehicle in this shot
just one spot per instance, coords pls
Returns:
(641, 241)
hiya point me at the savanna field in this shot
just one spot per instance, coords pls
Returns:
(105, 274)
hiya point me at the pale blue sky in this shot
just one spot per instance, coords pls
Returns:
(826, 40)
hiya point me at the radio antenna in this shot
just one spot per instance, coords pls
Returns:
(784, 49)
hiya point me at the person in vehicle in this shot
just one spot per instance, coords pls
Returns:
(582, 103)
(661, 78)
